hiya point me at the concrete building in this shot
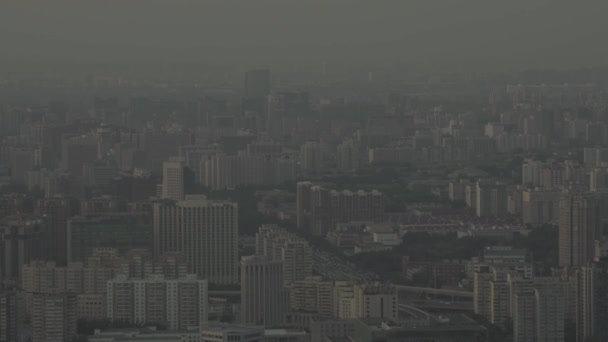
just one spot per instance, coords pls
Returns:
(376, 301)
(8, 315)
(264, 299)
(319, 209)
(205, 232)
(173, 180)
(491, 199)
(540, 207)
(579, 224)
(145, 335)
(221, 171)
(320, 330)
(22, 239)
(312, 295)
(180, 303)
(295, 252)
(311, 157)
(54, 317)
(592, 300)
(222, 332)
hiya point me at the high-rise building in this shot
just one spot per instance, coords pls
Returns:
(257, 83)
(376, 301)
(540, 207)
(579, 224)
(348, 156)
(77, 152)
(531, 171)
(311, 157)
(173, 180)
(54, 317)
(592, 301)
(205, 232)
(8, 316)
(312, 295)
(22, 239)
(56, 212)
(181, 303)
(491, 199)
(295, 252)
(264, 299)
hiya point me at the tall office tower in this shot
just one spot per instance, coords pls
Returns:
(598, 179)
(311, 157)
(22, 239)
(264, 299)
(491, 199)
(257, 83)
(173, 180)
(181, 303)
(312, 295)
(579, 224)
(592, 301)
(319, 209)
(53, 317)
(8, 316)
(56, 212)
(205, 232)
(295, 252)
(78, 151)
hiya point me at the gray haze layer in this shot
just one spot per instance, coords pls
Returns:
(456, 34)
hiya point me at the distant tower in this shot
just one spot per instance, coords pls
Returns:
(579, 224)
(257, 83)
(264, 300)
(173, 180)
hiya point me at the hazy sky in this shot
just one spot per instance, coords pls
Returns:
(531, 33)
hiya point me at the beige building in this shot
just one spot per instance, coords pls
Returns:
(205, 232)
